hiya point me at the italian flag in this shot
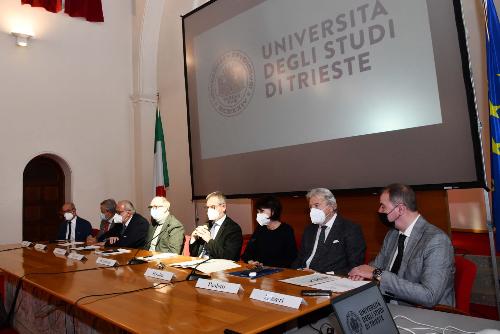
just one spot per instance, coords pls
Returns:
(161, 181)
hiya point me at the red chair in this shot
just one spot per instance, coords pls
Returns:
(185, 250)
(465, 273)
(246, 239)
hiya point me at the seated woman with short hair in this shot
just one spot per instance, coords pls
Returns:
(273, 242)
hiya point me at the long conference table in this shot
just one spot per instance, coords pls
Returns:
(56, 295)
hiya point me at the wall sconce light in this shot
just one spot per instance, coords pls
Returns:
(21, 39)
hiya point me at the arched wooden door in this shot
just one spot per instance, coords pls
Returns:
(43, 196)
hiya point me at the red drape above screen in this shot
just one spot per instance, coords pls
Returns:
(53, 6)
(91, 10)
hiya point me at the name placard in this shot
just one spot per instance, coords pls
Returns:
(59, 251)
(160, 274)
(106, 262)
(76, 256)
(217, 285)
(276, 298)
(26, 244)
(40, 247)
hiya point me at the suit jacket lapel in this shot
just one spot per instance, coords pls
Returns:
(332, 235)
(415, 236)
(392, 245)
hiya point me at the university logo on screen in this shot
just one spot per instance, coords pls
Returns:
(232, 83)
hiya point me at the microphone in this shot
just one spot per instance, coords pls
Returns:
(193, 276)
(135, 260)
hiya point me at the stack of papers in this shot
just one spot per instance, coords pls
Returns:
(87, 248)
(160, 256)
(208, 267)
(112, 252)
(325, 282)
(64, 244)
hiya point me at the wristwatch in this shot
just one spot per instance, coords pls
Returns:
(377, 274)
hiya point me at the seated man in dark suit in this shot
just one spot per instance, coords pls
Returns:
(221, 238)
(130, 228)
(73, 228)
(107, 215)
(330, 243)
(166, 234)
(416, 263)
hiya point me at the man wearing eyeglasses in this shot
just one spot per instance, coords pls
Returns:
(166, 233)
(130, 228)
(74, 228)
(416, 262)
(221, 237)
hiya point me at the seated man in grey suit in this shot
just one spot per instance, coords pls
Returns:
(166, 233)
(416, 262)
(330, 243)
(221, 238)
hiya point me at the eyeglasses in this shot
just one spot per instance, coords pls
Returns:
(213, 206)
(155, 206)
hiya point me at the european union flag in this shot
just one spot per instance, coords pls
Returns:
(493, 61)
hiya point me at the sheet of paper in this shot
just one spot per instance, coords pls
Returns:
(340, 285)
(71, 243)
(115, 252)
(160, 256)
(310, 280)
(208, 267)
(86, 247)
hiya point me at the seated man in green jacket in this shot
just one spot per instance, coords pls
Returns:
(166, 233)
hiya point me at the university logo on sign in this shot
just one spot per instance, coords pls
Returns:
(232, 83)
(354, 323)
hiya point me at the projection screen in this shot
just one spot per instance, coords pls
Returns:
(287, 95)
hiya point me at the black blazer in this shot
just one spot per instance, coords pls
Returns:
(345, 248)
(226, 245)
(134, 235)
(82, 230)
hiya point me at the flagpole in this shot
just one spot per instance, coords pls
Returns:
(489, 211)
(489, 225)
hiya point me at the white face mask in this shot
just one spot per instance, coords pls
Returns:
(317, 216)
(158, 213)
(263, 219)
(68, 216)
(212, 214)
(102, 216)
(118, 219)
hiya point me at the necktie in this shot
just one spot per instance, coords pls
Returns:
(399, 257)
(69, 230)
(321, 239)
(123, 230)
(212, 230)
(106, 225)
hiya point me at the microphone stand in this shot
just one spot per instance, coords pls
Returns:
(193, 276)
(135, 260)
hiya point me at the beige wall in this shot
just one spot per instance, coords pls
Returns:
(67, 94)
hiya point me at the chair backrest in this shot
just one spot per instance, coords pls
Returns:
(465, 273)
(95, 231)
(185, 250)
